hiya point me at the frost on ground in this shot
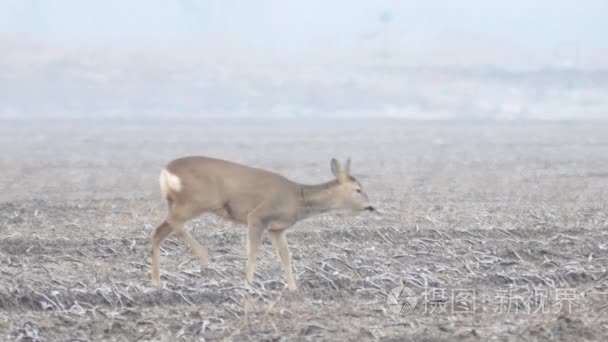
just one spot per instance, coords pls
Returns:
(486, 231)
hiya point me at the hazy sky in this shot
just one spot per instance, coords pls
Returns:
(543, 24)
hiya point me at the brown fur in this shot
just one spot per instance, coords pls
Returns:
(263, 200)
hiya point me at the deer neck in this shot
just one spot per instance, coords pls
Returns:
(316, 199)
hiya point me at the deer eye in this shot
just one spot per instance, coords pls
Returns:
(358, 190)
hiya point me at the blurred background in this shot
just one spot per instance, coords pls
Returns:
(471, 59)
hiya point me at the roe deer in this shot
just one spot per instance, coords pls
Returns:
(263, 200)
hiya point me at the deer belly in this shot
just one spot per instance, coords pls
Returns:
(232, 213)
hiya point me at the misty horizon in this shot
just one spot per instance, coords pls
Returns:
(546, 60)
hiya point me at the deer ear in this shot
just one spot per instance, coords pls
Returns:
(347, 166)
(335, 167)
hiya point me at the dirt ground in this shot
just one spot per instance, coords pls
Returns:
(486, 232)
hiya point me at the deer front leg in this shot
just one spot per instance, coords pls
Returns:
(279, 241)
(255, 230)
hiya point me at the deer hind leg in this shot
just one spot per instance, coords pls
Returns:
(179, 214)
(279, 241)
(159, 234)
(199, 250)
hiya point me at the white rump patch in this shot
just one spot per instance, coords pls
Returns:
(169, 182)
